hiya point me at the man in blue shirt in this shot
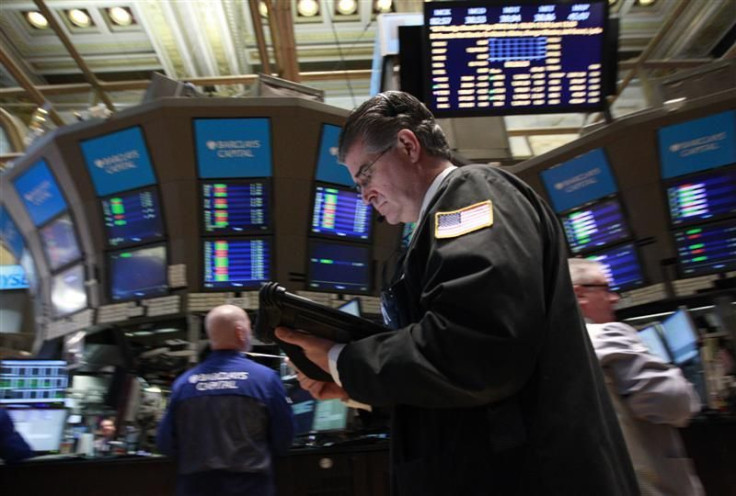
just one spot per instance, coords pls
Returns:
(227, 417)
(13, 448)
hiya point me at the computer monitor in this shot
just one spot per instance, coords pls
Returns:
(681, 337)
(236, 263)
(702, 197)
(33, 381)
(706, 248)
(42, 428)
(133, 217)
(315, 416)
(68, 291)
(233, 147)
(595, 226)
(138, 273)
(10, 236)
(329, 170)
(60, 242)
(339, 212)
(352, 307)
(339, 267)
(621, 265)
(232, 206)
(40, 193)
(653, 341)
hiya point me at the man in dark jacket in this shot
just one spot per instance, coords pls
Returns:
(13, 448)
(227, 417)
(490, 374)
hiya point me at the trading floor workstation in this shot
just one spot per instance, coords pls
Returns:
(131, 228)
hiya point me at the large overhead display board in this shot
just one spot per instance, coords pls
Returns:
(233, 147)
(40, 193)
(485, 58)
(118, 161)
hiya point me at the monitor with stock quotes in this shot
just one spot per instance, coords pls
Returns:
(595, 226)
(340, 212)
(621, 265)
(133, 217)
(702, 197)
(236, 263)
(236, 206)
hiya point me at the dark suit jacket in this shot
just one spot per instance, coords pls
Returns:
(494, 386)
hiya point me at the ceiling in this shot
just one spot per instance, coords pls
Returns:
(210, 41)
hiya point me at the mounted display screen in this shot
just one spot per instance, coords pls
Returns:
(706, 249)
(68, 292)
(595, 226)
(236, 207)
(10, 236)
(133, 217)
(339, 267)
(329, 170)
(138, 273)
(60, 242)
(33, 381)
(622, 267)
(40, 193)
(681, 336)
(340, 212)
(233, 147)
(236, 263)
(487, 57)
(703, 197)
(653, 341)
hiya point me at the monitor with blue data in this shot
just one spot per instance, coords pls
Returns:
(681, 336)
(233, 147)
(236, 263)
(339, 212)
(622, 267)
(329, 170)
(10, 236)
(40, 193)
(231, 206)
(706, 249)
(338, 267)
(702, 197)
(136, 273)
(653, 341)
(60, 242)
(33, 381)
(133, 217)
(595, 226)
(68, 291)
(41, 428)
(312, 417)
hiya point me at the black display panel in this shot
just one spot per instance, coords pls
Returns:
(60, 242)
(595, 226)
(138, 273)
(622, 267)
(236, 263)
(68, 292)
(702, 197)
(499, 58)
(133, 217)
(339, 267)
(340, 213)
(706, 249)
(236, 206)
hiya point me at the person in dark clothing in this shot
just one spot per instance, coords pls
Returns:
(13, 448)
(228, 417)
(490, 375)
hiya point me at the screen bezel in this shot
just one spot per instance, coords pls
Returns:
(108, 262)
(668, 183)
(268, 184)
(605, 58)
(272, 247)
(312, 241)
(153, 189)
(680, 266)
(624, 214)
(637, 256)
(333, 237)
(75, 231)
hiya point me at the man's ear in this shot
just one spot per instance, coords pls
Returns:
(408, 143)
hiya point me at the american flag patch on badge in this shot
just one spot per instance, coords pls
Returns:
(463, 221)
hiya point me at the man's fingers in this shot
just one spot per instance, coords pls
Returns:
(287, 335)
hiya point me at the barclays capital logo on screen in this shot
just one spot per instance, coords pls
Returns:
(119, 162)
(580, 181)
(38, 195)
(233, 148)
(703, 144)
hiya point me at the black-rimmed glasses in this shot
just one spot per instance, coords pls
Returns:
(364, 175)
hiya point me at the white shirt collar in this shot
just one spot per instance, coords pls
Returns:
(433, 189)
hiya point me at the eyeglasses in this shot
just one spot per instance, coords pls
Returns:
(364, 175)
(605, 286)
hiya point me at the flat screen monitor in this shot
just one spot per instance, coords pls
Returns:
(133, 217)
(329, 170)
(118, 161)
(41, 428)
(706, 249)
(653, 341)
(33, 381)
(239, 147)
(622, 267)
(681, 336)
(702, 197)
(236, 263)
(68, 291)
(10, 236)
(339, 267)
(501, 58)
(339, 212)
(595, 226)
(316, 416)
(60, 242)
(236, 206)
(352, 307)
(40, 193)
(138, 273)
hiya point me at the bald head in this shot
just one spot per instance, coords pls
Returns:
(228, 328)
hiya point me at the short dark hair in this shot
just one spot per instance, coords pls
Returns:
(377, 122)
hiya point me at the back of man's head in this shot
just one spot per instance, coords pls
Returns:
(377, 122)
(228, 328)
(592, 290)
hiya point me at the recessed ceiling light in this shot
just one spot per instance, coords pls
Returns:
(307, 8)
(37, 20)
(646, 3)
(347, 7)
(120, 16)
(263, 9)
(383, 6)
(79, 18)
